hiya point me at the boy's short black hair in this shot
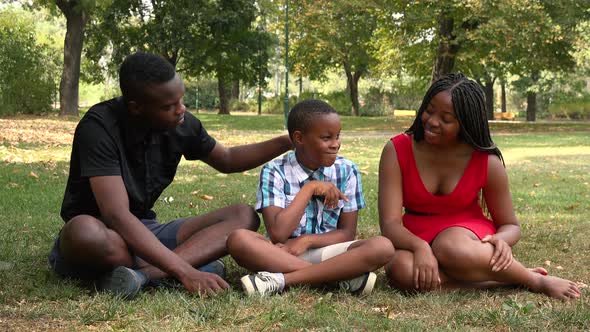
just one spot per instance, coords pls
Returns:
(139, 70)
(303, 113)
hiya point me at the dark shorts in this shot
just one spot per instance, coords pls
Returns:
(166, 233)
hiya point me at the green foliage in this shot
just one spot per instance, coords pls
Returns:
(205, 90)
(28, 70)
(575, 109)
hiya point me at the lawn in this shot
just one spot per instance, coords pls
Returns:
(548, 165)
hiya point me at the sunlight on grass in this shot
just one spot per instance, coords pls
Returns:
(549, 178)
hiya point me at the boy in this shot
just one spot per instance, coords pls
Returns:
(125, 153)
(309, 201)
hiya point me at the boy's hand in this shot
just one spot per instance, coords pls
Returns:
(204, 283)
(331, 194)
(297, 246)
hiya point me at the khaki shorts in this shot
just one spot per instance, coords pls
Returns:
(318, 255)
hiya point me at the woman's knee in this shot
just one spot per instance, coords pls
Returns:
(400, 270)
(453, 251)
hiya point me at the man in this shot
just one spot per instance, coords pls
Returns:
(125, 153)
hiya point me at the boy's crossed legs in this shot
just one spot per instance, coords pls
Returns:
(345, 261)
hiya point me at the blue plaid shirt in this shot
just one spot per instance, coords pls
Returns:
(282, 178)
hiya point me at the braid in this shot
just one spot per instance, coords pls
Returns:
(469, 105)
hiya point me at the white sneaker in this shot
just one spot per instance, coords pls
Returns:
(362, 284)
(263, 283)
(122, 281)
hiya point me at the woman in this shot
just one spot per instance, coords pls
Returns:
(436, 171)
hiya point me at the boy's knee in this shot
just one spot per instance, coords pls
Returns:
(380, 250)
(237, 240)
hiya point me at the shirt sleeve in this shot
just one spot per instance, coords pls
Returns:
(197, 141)
(354, 191)
(97, 150)
(270, 189)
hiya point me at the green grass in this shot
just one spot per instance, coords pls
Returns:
(548, 165)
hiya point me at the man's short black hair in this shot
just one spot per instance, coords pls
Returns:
(139, 70)
(303, 113)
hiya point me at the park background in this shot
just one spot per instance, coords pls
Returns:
(373, 61)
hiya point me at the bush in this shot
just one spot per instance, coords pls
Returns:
(575, 109)
(340, 100)
(28, 70)
(376, 103)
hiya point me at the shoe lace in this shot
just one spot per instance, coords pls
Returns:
(270, 282)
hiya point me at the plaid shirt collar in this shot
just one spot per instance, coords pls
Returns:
(304, 174)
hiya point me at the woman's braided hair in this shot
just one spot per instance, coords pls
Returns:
(469, 105)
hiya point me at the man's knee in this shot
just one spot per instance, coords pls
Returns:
(86, 240)
(248, 216)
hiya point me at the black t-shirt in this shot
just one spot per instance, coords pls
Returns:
(108, 142)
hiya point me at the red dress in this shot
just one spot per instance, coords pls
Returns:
(428, 214)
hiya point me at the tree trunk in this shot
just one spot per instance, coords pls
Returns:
(76, 19)
(352, 80)
(223, 96)
(531, 99)
(447, 47)
(503, 92)
(531, 107)
(235, 89)
(489, 93)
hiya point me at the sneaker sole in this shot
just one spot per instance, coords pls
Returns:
(118, 283)
(369, 284)
(248, 286)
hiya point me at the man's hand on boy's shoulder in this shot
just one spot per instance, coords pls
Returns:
(329, 191)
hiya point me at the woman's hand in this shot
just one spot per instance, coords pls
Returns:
(426, 275)
(502, 257)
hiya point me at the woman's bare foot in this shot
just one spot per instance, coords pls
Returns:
(557, 288)
(539, 270)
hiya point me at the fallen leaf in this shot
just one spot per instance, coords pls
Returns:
(364, 172)
(392, 315)
(581, 284)
(195, 192)
(33, 175)
(12, 184)
(536, 184)
(559, 267)
(206, 197)
(547, 263)
(573, 206)
(532, 193)
(221, 175)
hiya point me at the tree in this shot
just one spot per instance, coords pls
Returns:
(328, 34)
(197, 37)
(27, 68)
(77, 14)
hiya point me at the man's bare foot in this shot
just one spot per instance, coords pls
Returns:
(558, 288)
